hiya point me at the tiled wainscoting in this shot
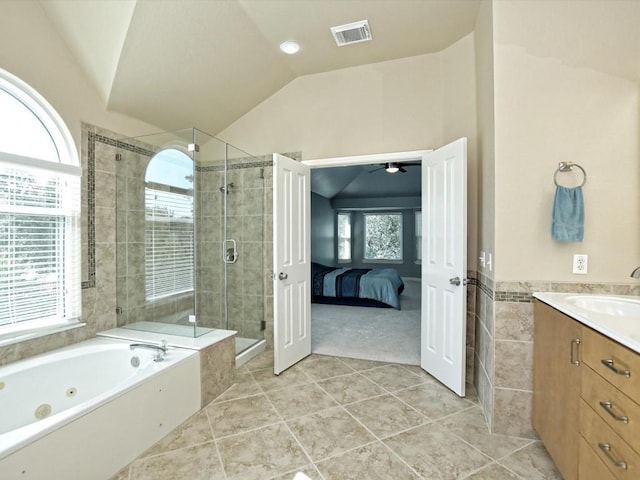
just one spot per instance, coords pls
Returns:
(503, 347)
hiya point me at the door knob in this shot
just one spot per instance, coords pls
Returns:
(283, 276)
(454, 281)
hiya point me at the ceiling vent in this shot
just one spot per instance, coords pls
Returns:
(355, 32)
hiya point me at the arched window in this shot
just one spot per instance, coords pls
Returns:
(39, 215)
(169, 268)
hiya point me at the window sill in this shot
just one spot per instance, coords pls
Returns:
(23, 336)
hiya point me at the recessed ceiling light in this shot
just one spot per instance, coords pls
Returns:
(290, 47)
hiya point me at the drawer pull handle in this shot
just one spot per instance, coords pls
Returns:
(611, 366)
(608, 406)
(574, 358)
(606, 449)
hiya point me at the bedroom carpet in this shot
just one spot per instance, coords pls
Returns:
(369, 333)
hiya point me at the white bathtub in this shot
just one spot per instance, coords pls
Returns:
(98, 411)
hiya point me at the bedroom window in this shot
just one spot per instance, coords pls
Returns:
(39, 214)
(383, 236)
(418, 224)
(169, 235)
(344, 237)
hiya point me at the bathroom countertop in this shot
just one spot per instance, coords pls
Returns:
(623, 329)
(191, 343)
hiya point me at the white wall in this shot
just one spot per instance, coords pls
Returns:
(548, 111)
(31, 50)
(413, 103)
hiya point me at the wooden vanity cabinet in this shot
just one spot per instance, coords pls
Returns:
(556, 386)
(610, 414)
(586, 399)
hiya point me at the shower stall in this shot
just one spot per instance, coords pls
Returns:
(190, 236)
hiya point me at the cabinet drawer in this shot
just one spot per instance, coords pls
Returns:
(607, 357)
(590, 467)
(614, 452)
(620, 412)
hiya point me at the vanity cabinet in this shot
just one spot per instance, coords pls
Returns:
(586, 399)
(556, 385)
(609, 414)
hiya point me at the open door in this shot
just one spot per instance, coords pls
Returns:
(444, 264)
(291, 262)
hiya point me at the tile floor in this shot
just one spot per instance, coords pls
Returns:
(339, 418)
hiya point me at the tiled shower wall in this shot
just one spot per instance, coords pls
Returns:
(504, 347)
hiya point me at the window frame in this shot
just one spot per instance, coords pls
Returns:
(152, 186)
(339, 238)
(65, 240)
(417, 218)
(401, 235)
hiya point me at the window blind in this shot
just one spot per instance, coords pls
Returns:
(39, 245)
(169, 240)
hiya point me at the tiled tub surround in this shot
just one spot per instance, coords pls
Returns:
(94, 393)
(504, 347)
(339, 418)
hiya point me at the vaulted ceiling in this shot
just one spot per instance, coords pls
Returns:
(205, 63)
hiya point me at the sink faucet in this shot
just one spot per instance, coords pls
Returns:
(636, 273)
(159, 349)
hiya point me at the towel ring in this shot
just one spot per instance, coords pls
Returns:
(568, 167)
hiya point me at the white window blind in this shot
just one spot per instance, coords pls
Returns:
(169, 258)
(418, 235)
(39, 244)
(344, 237)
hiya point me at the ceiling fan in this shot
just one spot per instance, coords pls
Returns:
(394, 167)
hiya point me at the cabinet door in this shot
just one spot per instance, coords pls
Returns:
(556, 386)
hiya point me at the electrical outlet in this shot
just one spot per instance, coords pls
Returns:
(580, 263)
(192, 319)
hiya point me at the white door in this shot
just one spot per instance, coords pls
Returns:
(291, 262)
(444, 264)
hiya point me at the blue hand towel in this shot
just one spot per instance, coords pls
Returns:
(567, 224)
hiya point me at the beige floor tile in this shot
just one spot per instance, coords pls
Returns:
(493, 472)
(371, 462)
(385, 415)
(268, 381)
(329, 432)
(321, 366)
(309, 471)
(261, 361)
(471, 426)
(351, 388)
(361, 364)
(395, 377)
(245, 386)
(533, 463)
(434, 452)
(433, 400)
(199, 462)
(261, 454)
(236, 416)
(300, 400)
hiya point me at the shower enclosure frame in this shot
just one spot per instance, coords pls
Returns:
(205, 150)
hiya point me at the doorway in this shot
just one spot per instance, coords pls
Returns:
(443, 318)
(363, 222)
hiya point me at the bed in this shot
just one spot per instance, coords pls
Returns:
(364, 287)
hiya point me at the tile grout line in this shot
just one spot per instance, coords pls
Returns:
(215, 442)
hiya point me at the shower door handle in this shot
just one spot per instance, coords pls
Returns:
(230, 254)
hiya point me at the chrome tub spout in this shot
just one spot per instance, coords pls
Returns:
(160, 350)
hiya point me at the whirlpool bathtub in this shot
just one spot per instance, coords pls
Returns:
(87, 410)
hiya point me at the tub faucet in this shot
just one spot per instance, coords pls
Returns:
(159, 349)
(636, 273)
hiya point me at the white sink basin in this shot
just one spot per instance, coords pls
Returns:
(608, 305)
